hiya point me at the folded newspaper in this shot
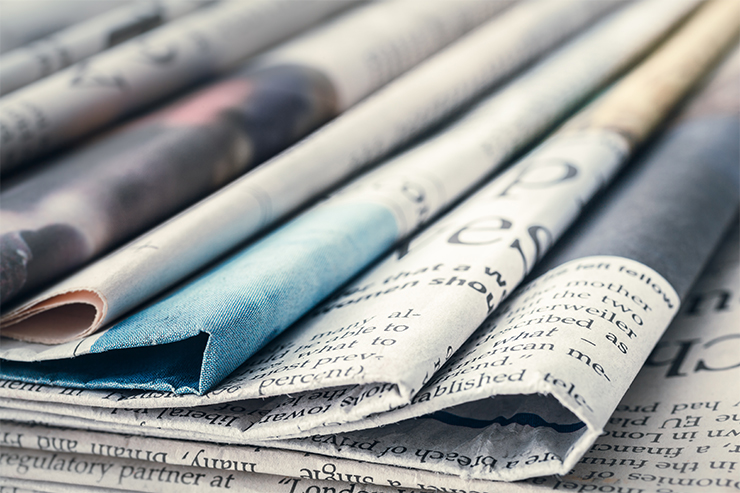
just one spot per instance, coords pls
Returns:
(129, 180)
(157, 260)
(527, 393)
(668, 432)
(490, 412)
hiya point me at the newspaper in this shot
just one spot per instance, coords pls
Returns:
(587, 324)
(465, 434)
(397, 36)
(326, 246)
(135, 177)
(29, 486)
(157, 260)
(23, 21)
(80, 99)
(676, 428)
(63, 48)
(143, 476)
(679, 405)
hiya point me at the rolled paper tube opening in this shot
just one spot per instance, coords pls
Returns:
(58, 319)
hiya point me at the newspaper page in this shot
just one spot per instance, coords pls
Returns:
(553, 433)
(676, 428)
(157, 260)
(23, 22)
(60, 50)
(29, 486)
(76, 101)
(674, 431)
(331, 243)
(130, 180)
(397, 36)
(127, 474)
(244, 458)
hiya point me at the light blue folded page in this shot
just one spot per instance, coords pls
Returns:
(192, 339)
(227, 314)
(247, 301)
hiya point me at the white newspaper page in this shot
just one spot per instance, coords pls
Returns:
(241, 458)
(136, 475)
(361, 56)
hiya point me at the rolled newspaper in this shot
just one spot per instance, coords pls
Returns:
(23, 22)
(78, 100)
(94, 198)
(157, 260)
(45, 56)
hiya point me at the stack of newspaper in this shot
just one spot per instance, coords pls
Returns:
(340, 247)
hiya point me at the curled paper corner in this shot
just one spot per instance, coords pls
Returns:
(58, 318)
